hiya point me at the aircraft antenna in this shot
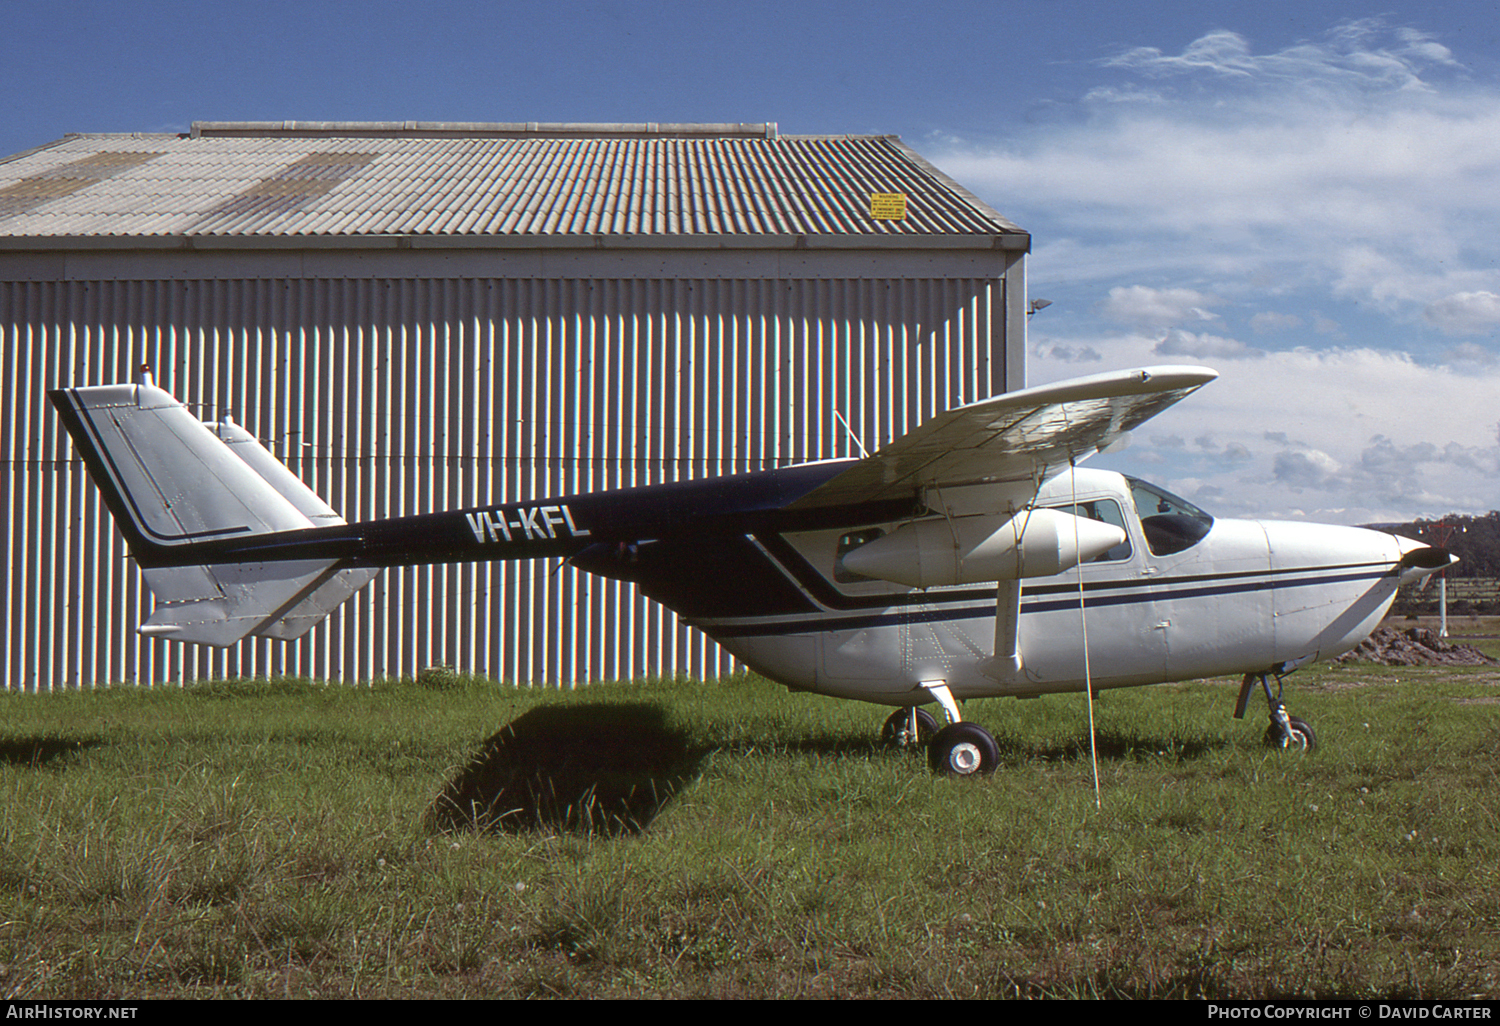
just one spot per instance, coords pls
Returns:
(853, 437)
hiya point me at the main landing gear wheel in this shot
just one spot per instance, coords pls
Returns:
(963, 750)
(1300, 738)
(897, 732)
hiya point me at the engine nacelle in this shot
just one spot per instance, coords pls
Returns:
(975, 549)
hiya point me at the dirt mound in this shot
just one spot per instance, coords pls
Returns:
(1415, 646)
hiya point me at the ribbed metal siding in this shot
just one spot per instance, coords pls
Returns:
(400, 396)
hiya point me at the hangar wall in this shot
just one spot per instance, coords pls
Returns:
(402, 394)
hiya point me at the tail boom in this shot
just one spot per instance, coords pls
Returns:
(232, 543)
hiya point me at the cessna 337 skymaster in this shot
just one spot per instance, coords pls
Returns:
(896, 579)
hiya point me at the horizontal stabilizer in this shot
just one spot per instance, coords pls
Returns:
(221, 604)
(317, 604)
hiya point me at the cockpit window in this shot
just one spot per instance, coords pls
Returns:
(1106, 511)
(1171, 524)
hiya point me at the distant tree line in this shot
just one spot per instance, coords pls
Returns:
(1475, 582)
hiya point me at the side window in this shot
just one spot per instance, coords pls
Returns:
(1106, 511)
(847, 544)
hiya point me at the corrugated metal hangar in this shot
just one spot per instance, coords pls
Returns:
(419, 316)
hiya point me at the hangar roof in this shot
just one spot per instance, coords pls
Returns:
(285, 181)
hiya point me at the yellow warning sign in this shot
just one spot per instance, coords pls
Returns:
(888, 206)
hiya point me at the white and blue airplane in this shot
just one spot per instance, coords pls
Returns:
(970, 558)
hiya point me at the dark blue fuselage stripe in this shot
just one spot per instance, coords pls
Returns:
(846, 623)
(893, 619)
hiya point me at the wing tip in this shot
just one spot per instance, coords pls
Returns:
(1188, 371)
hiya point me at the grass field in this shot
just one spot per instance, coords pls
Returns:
(727, 839)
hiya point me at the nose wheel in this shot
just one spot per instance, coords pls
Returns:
(908, 728)
(1285, 731)
(1294, 733)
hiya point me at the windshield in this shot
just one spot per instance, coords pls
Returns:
(1170, 523)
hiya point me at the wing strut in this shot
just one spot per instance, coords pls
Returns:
(1006, 664)
(1088, 676)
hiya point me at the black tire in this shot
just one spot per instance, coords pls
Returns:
(963, 750)
(1303, 739)
(896, 733)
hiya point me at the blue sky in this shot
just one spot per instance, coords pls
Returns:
(1303, 195)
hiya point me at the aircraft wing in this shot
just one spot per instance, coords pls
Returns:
(1022, 436)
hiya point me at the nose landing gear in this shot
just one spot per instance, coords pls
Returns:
(909, 727)
(1285, 731)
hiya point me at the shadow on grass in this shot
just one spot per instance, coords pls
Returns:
(599, 768)
(36, 752)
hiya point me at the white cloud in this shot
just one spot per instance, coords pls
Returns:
(1341, 192)
(1306, 468)
(1350, 55)
(1147, 307)
(1071, 354)
(1204, 347)
(1326, 326)
(1122, 94)
(1345, 435)
(1466, 313)
(1361, 165)
(1267, 321)
(1470, 352)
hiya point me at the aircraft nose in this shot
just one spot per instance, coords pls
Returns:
(1418, 559)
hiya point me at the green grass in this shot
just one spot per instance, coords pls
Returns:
(727, 839)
